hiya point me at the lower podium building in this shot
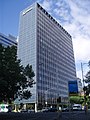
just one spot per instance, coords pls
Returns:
(8, 40)
(75, 87)
(47, 46)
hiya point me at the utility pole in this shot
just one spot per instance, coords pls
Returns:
(85, 103)
(82, 72)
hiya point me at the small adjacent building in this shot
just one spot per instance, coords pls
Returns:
(75, 87)
(7, 40)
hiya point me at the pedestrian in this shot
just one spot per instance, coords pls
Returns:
(86, 108)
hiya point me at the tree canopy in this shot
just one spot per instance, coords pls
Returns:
(76, 99)
(87, 77)
(87, 80)
(14, 78)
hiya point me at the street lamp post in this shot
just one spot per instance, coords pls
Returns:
(46, 97)
(82, 72)
(36, 104)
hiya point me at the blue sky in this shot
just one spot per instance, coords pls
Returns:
(73, 15)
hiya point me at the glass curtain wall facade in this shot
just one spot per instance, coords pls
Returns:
(27, 43)
(47, 46)
(7, 40)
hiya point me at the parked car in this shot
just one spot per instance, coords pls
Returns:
(31, 111)
(49, 110)
(9, 108)
(24, 111)
(77, 107)
(3, 107)
(65, 109)
(52, 110)
(44, 110)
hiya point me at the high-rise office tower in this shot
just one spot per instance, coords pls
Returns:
(7, 40)
(47, 46)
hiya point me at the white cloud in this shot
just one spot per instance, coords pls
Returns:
(79, 13)
(79, 28)
(47, 4)
(62, 10)
(74, 16)
(81, 48)
(81, 42)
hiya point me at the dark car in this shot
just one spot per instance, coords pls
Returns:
(9, 108)
(65, 109)
(24, 111)
(52, 110)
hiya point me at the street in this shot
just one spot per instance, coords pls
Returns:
(76, 115)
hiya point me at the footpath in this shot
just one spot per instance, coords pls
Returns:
(79, 115)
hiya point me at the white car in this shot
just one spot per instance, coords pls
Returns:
(44, 110)
(3, 107)
(77, 107)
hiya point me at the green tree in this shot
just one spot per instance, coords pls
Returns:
(14, 78)
(87, 88)
(87, 80)
(76, 99)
